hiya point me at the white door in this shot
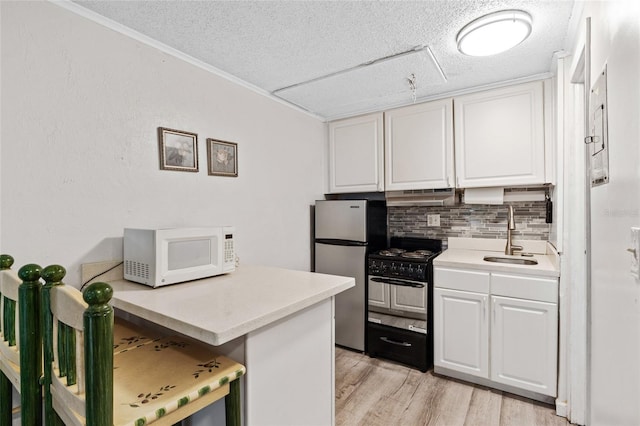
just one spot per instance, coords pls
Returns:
(355, 154)
(419, 146)
(499, 137)
(524, 344)
(461, 331)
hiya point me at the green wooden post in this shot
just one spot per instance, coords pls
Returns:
(232, 404)
(53, 276)
(6, 389)
(30, 345)
(98, 354)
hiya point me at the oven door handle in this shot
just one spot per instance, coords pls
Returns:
(391, 281)
(395, 342)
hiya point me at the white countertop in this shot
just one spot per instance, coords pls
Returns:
(471, 253)
(219, 309)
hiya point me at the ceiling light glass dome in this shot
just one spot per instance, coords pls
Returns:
(494, 33)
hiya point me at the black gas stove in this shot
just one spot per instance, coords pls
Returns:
(400, 301)
(407, 257)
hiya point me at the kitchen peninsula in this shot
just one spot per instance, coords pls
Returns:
(277, 322)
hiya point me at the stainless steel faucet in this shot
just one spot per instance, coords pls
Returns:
(511, 225)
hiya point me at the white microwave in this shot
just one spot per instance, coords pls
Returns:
(158, 257)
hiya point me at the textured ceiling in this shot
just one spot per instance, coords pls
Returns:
(311, 53)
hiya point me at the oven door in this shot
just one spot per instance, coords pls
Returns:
(399, 297)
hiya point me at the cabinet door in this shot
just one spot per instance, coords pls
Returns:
(524, 344)
(461, 331)
(499, 137)
(355, 154)
(378, 294)
(419, 146)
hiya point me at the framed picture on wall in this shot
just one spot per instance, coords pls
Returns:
(178, 150)
(222, 158)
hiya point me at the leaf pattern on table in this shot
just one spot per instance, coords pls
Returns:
(128, 341)
(145, 397)
(207, 367)
(170, 343)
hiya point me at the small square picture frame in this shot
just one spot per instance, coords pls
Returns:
(178, 150)
(222, 158)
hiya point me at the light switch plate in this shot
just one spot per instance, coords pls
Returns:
(433, 220)
(635, 252)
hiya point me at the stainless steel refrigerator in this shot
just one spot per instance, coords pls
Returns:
(345, 232)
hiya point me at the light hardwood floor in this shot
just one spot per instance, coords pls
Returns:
(375, 392)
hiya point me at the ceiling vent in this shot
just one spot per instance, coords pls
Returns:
(421, 197)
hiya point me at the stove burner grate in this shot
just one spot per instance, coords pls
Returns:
(391, 252)
(415, 255)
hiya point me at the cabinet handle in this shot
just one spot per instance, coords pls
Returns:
(484, 307)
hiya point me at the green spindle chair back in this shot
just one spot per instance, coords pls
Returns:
(111, 388)
(8, 341)
(53, 276)
(21, 341)
(31, 344)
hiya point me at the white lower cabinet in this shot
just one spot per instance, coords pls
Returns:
(524, 344)
(504, 331)
(461, 333)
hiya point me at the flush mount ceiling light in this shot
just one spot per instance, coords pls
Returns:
(494, 33)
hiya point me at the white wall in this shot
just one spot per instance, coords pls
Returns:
(615, 207)
(81, 105)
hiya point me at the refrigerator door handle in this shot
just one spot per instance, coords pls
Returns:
(336, 242)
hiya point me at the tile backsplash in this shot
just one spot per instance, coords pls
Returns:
(472, 221)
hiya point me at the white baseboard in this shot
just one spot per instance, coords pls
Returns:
(562, 409)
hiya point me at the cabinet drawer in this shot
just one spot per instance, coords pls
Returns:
(457, 279)
(531, 288)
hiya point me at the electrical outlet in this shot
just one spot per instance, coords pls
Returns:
(433, 220)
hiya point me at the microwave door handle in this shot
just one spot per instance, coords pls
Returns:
(392, 281)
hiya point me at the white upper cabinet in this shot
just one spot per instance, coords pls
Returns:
(419, 146)
(499, 137)
(355, 154)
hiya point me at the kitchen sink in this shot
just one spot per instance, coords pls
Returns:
(510, 260)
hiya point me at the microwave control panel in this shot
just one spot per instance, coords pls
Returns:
(229, 252)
